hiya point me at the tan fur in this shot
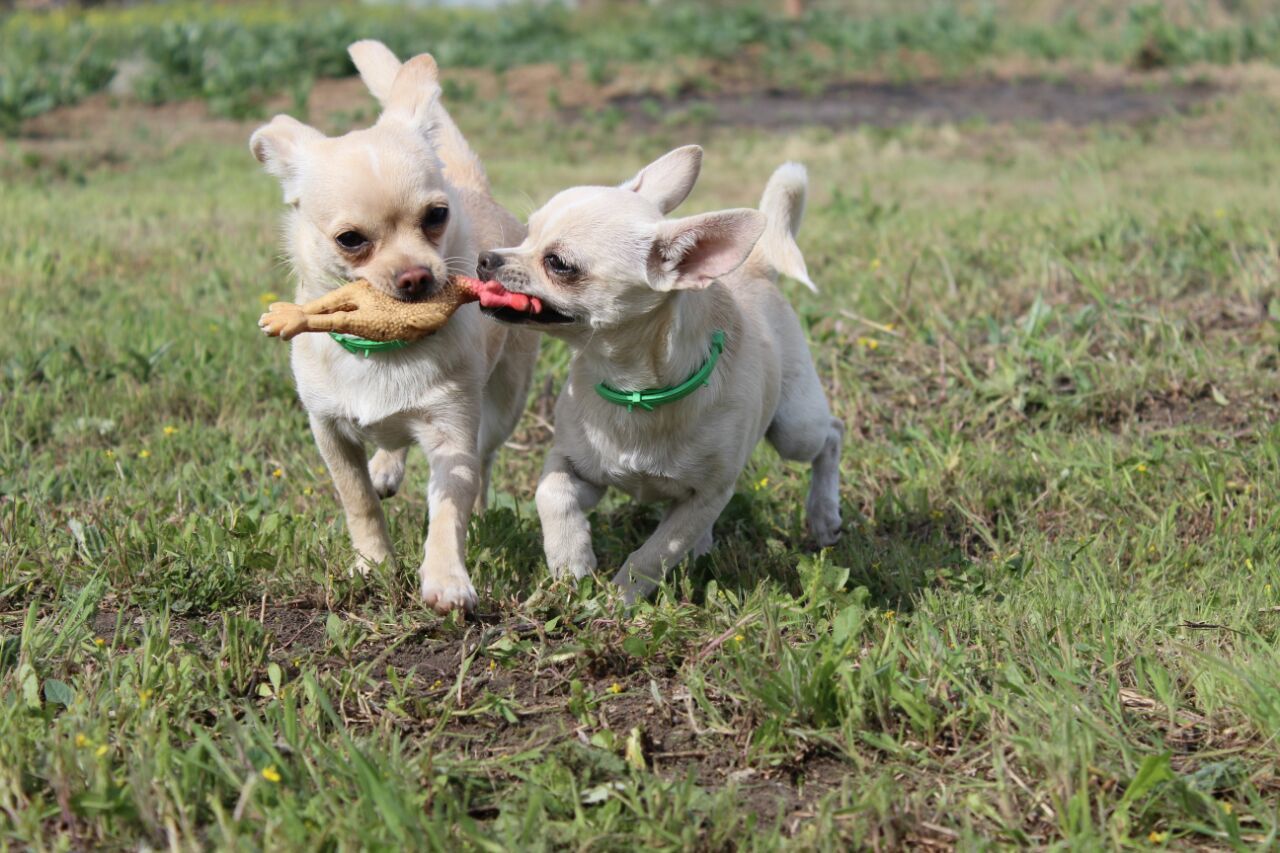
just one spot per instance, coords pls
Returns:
(645, 296)
(456, 393)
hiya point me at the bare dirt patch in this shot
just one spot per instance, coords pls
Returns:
(1073, 102)
(630, 696)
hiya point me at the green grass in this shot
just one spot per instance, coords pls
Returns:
(240, 56)
(1052, 620)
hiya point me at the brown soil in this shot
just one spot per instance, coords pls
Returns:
(877, 104)
(652, 698)
(99, 126)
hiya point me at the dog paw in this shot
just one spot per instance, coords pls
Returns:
(366, 563)
(386, 469)
(449, 591)
(573, 567)
(824, 525)
(634, 584)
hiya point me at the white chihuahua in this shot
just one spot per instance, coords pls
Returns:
(403, 204)
(688, 309)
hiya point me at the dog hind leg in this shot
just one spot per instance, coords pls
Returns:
(386, 469)
(803, 430)
(505, 395)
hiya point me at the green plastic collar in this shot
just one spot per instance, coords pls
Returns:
(654, 397)
(363, 346)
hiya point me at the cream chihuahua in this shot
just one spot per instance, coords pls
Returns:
(403, 204)
(688, 308)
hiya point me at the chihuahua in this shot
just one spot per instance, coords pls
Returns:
(688, 309)
(404, 204)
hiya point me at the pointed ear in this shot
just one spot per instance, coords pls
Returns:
(691, 253)
(668, 180)
(413, 91)
(377, 65)
(280, 147)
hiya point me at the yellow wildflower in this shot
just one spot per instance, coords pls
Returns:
(493, 664)
(81, 740)
(1227, 808)
(144, 454)
(308, 491)
(109, 453)
(1141, 468)
(278, 473)
(739, 639)
(889, 614)
(615, 688)
(1248, 564)
(170, 430)
(143, 697)
(875, 263)
(1266, 588)
(889, 327)
(436, 685)
(271, 774)
(100, 751)
(99, 642)
(1157, 837)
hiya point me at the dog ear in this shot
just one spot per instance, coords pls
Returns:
(414, 91)
(377, 65)
(691, 253)
(280, 147)
(668, 180)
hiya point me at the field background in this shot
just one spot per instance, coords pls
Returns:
(1045, 236)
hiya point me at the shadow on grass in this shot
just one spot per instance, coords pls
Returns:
(905, 550)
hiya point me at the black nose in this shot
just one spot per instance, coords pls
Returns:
(488, 265)
(414, 282)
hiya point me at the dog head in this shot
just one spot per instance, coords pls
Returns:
(374, 203)
(596, 257)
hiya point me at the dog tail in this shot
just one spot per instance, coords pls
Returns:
(378, 67)
(783, 207)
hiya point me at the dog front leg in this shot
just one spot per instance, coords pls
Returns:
(563, 500)
(345, 459)
(451, 495)
(685, 525)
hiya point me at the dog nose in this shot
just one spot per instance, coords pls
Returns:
(488, 265)
(414, 282)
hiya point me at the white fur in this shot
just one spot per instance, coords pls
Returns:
(645, 300)
(457, 393)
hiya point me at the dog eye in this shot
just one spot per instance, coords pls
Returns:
(435, 217)
(556, 264)
(352, 240)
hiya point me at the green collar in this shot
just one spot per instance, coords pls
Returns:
(654, 397)
(363, 346)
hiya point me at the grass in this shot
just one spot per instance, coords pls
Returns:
(238, 57)
(1052, 620)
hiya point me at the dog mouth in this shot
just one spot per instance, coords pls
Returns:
(511, 307)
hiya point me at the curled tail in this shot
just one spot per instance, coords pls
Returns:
(783, 207)
(379, 67)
